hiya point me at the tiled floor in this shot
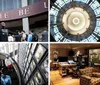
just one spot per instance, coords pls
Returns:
(56, 79)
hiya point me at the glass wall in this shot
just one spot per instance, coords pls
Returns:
(9, 4)
(34, 63)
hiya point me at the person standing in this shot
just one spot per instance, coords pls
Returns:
(29, 39)
(45, 36)
(17, 36)
(10, 38)
(3, 33)
(23, 36)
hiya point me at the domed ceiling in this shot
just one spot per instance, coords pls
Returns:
(75, 20)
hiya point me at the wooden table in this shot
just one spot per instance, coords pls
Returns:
(63, 67)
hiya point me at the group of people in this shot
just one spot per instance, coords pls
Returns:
(7, 36)
(22, 37)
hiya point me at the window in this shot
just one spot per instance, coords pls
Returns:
(39, 52)
(98, 22)
(9, 4)
(97, 29)
(66, 40)
(60, 3)
(85, 1)
(44, 67)
(56, 29)
(97, 12)
(94, 5)
(32, 65)
(92, 38)
(54, 11)
(32, 1)
(85, 40)
(58, 36)
(29, 57)
(33, 47)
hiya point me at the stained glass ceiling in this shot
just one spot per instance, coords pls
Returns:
(75, 20)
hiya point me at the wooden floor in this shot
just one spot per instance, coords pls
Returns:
(56, 79)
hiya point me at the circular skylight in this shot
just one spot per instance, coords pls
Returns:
(75, 20)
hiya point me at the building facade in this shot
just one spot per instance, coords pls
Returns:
(24, 15)
(33, 62)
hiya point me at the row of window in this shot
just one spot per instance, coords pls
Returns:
(13, 4)
(8, 48)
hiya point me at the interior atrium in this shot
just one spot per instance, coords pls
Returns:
(75, 20)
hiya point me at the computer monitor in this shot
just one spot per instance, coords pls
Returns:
(62, 58)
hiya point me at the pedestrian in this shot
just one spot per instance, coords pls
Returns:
(18, 36)
(30, 36)
(34, 37)
(10, 38)
(23, 36)
(45, 36)
(3, 33)
(5, 79)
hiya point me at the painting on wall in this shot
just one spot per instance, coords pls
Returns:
(94, 56)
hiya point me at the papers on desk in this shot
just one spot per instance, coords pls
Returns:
(71, 62)
(63, 63)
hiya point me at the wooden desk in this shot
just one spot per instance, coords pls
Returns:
(63, 67)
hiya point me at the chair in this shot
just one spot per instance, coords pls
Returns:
(88, 77)
(52, 66)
